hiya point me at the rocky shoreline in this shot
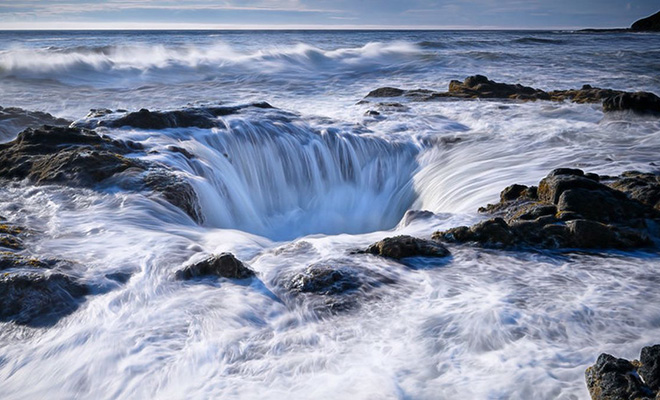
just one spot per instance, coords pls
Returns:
(480, 87)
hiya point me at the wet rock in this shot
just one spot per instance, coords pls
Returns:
(335, 286)
(650, 366)
(386, 92)
(586, 94)
(63, 155)
(13, 120)
(615, 379)
(223, 265)
(193, 117)
(569, 209)
(643, 187)
(492, 232)
(480, 87)
(415, 215)
(407, 246)
(325, 279)
(641, 102)
(175, 190)
(38, 298)
(82, 158)
(651, 23)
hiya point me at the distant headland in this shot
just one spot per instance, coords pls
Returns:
(648, 24)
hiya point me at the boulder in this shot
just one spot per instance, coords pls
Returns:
(569, 209)
(643, 187)
(479, 86)
(335, 285)
(651, 23)
(223, 265)
(325, 279)
(641, 102)
(38, 298)
(407, 246)
(615, 379)
(650, 366)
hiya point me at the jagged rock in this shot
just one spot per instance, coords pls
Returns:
(38, 298)
(651, 23)
(643, 187)
(587, 94)
(223, 265)
(615, 379)
(13, 120)
(325, 279)
(650, 367)
(198, 117)
(641, 102)
(81, 158)
(407, 246)
(335, 285)
(480, 87)
(569, 209)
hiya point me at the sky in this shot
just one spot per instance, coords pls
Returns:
(322, 14)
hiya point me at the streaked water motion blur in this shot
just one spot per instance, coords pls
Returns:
(312, 180)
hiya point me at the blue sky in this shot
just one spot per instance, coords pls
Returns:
(251, 14)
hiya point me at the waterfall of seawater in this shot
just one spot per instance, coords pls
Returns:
(283, 179)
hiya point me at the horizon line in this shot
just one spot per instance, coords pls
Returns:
(131, 26)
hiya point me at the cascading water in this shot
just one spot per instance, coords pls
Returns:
(276, 176)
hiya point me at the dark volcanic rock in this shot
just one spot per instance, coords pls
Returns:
(198, 117)
(81, 158)
(569, 209)
(641, 102)
(651, 23)
(614, 379)
(38, 298)
(325, 279)
(407, 246)
(335, 286)
(480, 87)
(650, 366)
(224, 265)
(643, 187)
(587, 94)
(14, 119)
(72, 156)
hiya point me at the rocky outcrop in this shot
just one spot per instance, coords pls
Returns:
(13, 120)
(37, 292)
(38, 298)
(407, 246)
(612, 378)
(82, 158)
(651, 23)
(197, 117)
(641, 102)
(569, 209)
(480, 87)
(223, 265)
(335, 285)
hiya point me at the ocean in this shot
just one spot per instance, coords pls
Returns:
(310, 181)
